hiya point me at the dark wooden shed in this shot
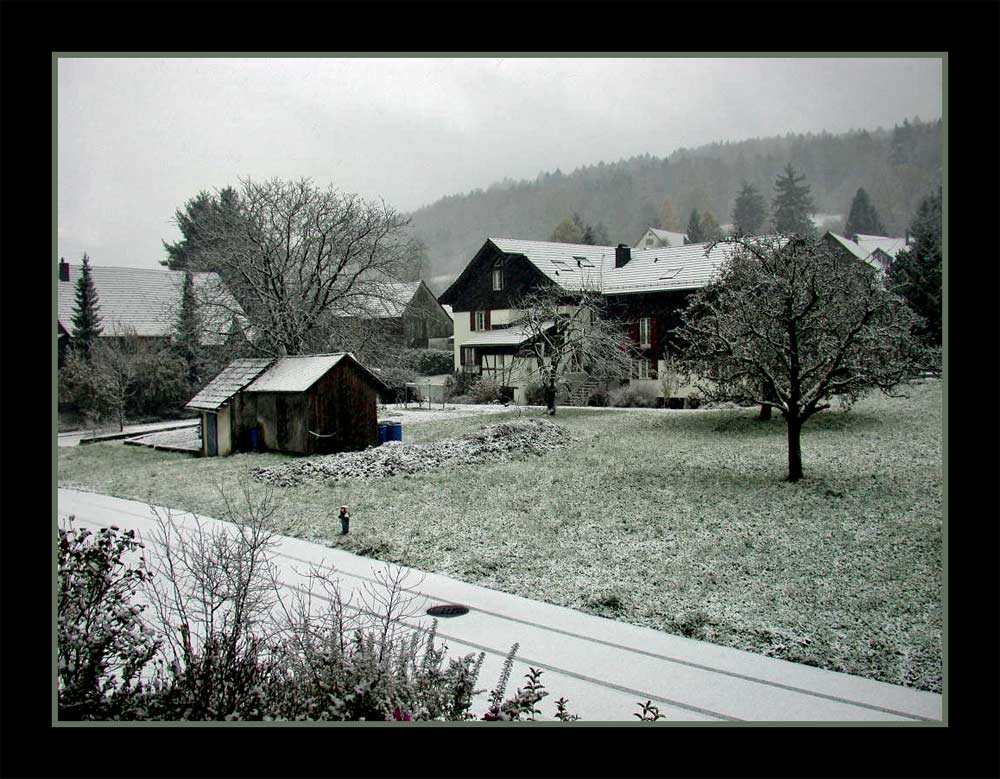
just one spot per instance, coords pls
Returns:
(309, 404)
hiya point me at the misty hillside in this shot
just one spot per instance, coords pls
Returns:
(897, 167)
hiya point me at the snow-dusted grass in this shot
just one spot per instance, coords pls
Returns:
(678, 520)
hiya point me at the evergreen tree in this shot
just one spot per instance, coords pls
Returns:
(86, 312)
(710, 230)
(199, 222)
(668, 220)
(792, 204)
(695, 233)
(187, 335)
(750, 211)
(863, 218)
(917, 270)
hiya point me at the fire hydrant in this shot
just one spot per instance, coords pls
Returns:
(345, 520)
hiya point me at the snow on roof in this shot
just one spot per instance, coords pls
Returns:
(233, 378)
(891, 246)
(379, 299)
(515, 335)
(579, 266)
(295, 374)
(668, 237)
(147, 301)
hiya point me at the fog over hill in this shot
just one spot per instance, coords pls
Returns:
(897, 167)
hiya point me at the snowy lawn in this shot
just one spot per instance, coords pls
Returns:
(677, 520)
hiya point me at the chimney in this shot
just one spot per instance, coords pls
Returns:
(623, 253)
(63, 270)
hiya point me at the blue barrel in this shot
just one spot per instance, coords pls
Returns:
(382, 433)
(253, 439)
(394, 431)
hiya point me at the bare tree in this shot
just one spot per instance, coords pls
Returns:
(568, 332)
(292, 253)
(790, 324)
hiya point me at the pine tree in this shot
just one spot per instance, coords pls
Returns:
(695, 233)
(187, 336)
(792, 204)
(668, 221)
(86, 311)
(749, 211)
(198, 222)
(863, 218)
(917, 270)
(710, 230)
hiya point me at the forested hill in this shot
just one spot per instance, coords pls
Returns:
(897, 168)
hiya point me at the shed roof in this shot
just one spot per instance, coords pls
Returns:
(147, 300)
(233, 378)
(298, 373)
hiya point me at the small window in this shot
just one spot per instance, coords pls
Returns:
(583, 262)
(560, 264)
(644, 330)
(468, 355)
(497, 278)
(480, 320)
(669, 273)
(642, 369)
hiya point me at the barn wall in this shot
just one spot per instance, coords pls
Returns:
(343, 402)
(225, 431)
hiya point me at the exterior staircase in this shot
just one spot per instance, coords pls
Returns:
(579, 394)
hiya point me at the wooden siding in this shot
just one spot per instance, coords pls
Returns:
(664, 310)
(473, 290)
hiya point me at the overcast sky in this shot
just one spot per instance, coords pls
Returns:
(139, 137)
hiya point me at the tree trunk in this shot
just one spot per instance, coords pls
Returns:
(794, 448)
(550, 398)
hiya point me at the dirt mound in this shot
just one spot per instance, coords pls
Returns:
(494, 443)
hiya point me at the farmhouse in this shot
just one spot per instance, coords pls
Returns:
(308, 404)
(654, 238)
(647, 288)
(144, 300)
(879, 251)
(406, 312)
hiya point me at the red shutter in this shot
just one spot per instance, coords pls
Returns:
(486, 320)
(633, 330)
(653, 345)
(472, 320)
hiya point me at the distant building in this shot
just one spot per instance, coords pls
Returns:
(879, 251)
(145, 301)
(406, 312)
(654, 238)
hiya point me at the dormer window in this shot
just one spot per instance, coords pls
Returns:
(497, 277)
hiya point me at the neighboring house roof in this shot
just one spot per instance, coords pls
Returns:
(233, 378)
(298, 373)
(380, 300)
(666, 236)
(867, 245)
(448, 310)
(580, 266)
(515, 335)
(147, 301)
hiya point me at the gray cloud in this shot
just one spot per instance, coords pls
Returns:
(138, 137)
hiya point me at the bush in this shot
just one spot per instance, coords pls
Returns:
(485, 391)
(633, 396)
(534, 394)
(432, 362)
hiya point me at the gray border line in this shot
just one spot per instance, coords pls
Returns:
(667, 658)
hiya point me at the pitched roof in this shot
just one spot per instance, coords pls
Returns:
(233, 378)
(866, 245)
(147, 301)
(299, 372)
(579, 266)
(379, 299)
(668, 237)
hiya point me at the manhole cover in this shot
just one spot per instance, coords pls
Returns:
(448, 610)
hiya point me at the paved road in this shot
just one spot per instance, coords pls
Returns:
(604, 668)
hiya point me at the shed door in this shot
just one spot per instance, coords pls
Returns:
(211, 434)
